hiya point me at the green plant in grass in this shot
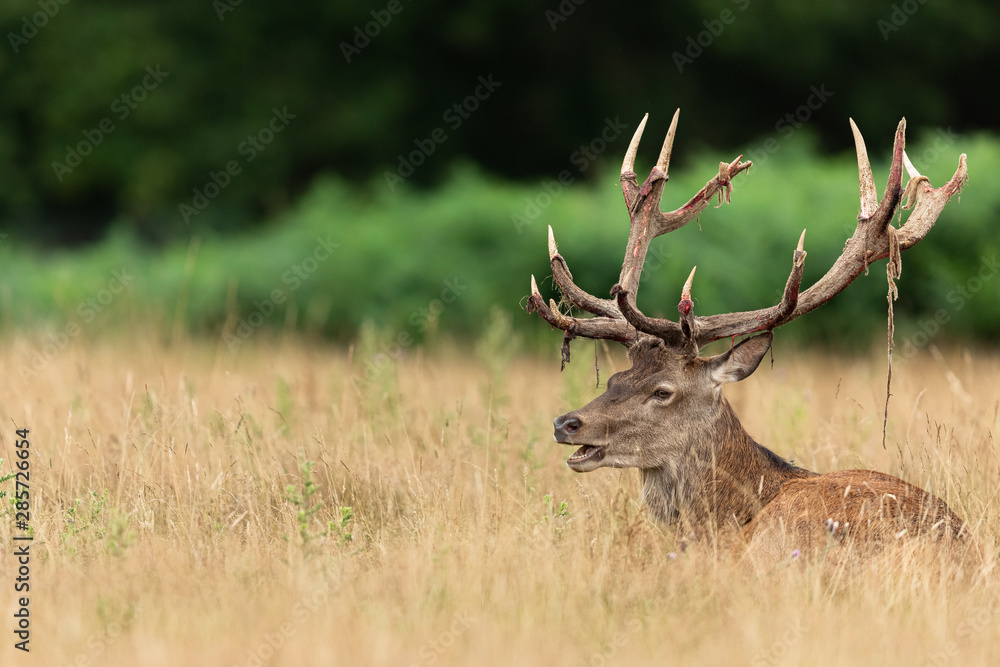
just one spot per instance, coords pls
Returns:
(78, 520)
(341, 528)
(300, 496)
(9, 505)
(303, 497)
(556, 515)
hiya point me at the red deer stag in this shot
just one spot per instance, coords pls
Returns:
(667, 416)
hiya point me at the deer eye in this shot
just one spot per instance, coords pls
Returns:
(662, 394)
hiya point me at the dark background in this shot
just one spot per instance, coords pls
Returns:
(563, 69)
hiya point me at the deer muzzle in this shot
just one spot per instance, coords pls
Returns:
(587, 457)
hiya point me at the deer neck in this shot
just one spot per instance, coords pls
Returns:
(724, 479)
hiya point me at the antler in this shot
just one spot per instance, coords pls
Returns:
(647, 222)
(873, 240)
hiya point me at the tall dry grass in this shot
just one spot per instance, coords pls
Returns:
(194, 507)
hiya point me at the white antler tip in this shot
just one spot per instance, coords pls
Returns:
(553, 250)
(866, 182)
(686, 292)
(629, 163)
(663, 162)
(802, 241)
(534, 287)
(910, 169)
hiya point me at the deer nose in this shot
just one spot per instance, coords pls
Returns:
(566, 426)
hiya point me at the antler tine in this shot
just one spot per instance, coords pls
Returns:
(790, 298)
(927, 203)
(663, 162)
(686, 310)
(893, 187)
(866, 182)
(604, 328)
(910, 169)
(686, 290)
(608, 325)
(721, 185)
(628, 164)
(564, 279)
(630, 186)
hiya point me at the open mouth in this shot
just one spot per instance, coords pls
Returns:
(585, 457)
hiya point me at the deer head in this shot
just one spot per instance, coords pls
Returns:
(659, 411)
(667, 415)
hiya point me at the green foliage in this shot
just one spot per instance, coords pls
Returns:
(93, 520)
(341, 527)
(302, 500)
(364, 103)
(415, 263)
(301, 496)
(556, 515)
(553, 511)
(8, 508)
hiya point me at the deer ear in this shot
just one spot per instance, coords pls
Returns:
(739, 362)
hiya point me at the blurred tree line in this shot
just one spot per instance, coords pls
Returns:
(206, 117)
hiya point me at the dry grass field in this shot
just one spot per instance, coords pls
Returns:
(191, 506)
